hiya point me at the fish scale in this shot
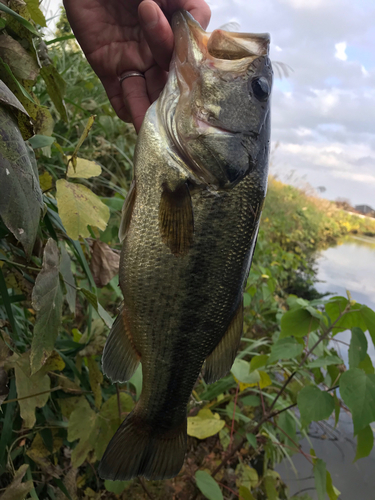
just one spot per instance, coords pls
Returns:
(189, 231)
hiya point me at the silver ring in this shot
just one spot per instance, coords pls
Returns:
(128, 74)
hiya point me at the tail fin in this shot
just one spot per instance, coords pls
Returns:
(136, 450)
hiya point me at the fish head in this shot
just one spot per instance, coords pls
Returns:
(222, 113)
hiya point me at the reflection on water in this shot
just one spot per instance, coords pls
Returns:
(348, 266)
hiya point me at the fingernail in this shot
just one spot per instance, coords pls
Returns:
(149, 14)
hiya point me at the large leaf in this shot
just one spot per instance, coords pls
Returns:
(320, 475)
(298, 322)
(353, 318)
(18, 490)
(365, 442)
(325, 361)
(19, 60)
(369, 318)
(79, 207)
(36, 14)
(286, 348)
(358, 392)
(21, 201)
(357, 348)
(67, 276)
(84, 169)
(56, 86)
(314, 404)
(27, 385)
(82, 423)
(208, 486)
(205, 424)
(47, 301)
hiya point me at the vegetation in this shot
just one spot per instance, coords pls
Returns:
(59, 296)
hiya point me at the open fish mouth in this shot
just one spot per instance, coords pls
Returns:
(219, 45)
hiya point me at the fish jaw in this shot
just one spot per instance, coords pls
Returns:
(221, 105)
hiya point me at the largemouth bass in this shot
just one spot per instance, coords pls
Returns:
(189, 228)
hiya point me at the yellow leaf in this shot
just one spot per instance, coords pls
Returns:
(84, 168)
(265, 379)
(246, 476)
(79, 207)
(45, 181)
(205, 424)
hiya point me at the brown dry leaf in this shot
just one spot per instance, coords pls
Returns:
(104, 263)
(18, 490)
(39, 453)
(70, 483)
(19, 60)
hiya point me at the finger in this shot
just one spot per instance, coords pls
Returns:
(157, 31)
(156, 78)
(134, 93)
(114, 92)
(198, 9)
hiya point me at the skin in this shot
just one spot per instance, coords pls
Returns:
(129, 35)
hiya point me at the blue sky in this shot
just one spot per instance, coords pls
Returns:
(323, 114)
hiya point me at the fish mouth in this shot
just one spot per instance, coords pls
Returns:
(219, 45)
(206, 127)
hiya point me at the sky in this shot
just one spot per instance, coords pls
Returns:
(323, 112)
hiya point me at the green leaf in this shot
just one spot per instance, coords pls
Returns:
(109, 421)
(358, 348)
(136, 381)
(245, 493)
(93, 299)
(18, 490)
(366, 365)
(365, 443)
(368, 316)
(79, 207)
(28, 385)
(252, 440)
(47, 301)
(56, 86)
(205, 424)
(325, 361)
(241, 371)
(5, 67)
(21, 202)
(82, 423)
(314, 404)
(351, 319)
(288, 424)
(96, 379)
(36, 14)
(270, 486)
(251, 401)
(20, 19)
(258, 361)
(41, 141)
(357, 389)
(246, 476)
(116, 487)
(85, 169)
(286, 348)
(320, 475)
(8, 98)
(68, 278)
(208, 486)
(333, 493)
(298, 322)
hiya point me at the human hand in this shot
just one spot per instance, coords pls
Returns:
(130, 35)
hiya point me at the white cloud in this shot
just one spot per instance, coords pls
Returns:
(340, 51)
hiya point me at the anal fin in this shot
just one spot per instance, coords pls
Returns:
(220, 361)
(176, 222)
(127, 211)
(120, 359)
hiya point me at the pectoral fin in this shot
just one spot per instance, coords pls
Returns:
(120, 359)
(220, 361)
(127, 211)
(176, 221)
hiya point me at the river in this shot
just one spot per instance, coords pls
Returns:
(347, 266)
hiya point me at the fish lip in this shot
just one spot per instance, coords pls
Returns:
(207, 125)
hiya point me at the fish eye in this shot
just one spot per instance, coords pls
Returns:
(261, 88)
